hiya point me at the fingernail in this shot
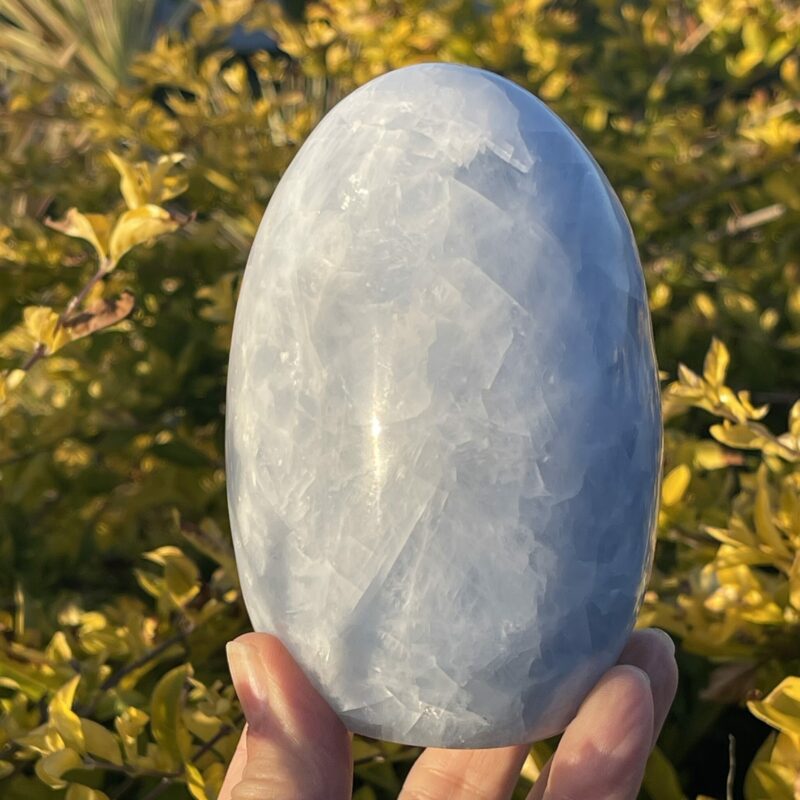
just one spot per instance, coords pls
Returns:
(250, 681)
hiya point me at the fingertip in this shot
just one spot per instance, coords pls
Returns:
(296, 744)
(654, 640)
(653, 651)
(617, 713)
(268, 646)
(623, 693)
(270, 683)
(604, 750)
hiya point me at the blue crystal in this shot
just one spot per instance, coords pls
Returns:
(443, 431)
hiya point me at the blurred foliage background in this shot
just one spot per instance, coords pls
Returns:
(142, 141)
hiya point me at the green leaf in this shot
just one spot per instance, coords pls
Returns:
(51, 768)
(762, 515)
(715, 366)
(139, 226)
(739, 436)
(675, 485)
(781, 707)
(661, 781)
(101, 742)
(27, 678)
(165, 715)
(93, 228)
(194, 782)
(42, 325)
(77, 791)
(64, 719)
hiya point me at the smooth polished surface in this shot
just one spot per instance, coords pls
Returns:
(443, 424)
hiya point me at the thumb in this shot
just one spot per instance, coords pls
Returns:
(294, 747)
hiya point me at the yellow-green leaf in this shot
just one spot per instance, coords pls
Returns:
(93, 228)
(14, 378)
(42, 325)
(101, 742)
(715, 366)
(660, 778)
(538, 755)
(675, 485)
(58, 650)
(134, 184)
(129, 726)
(195, 783)
(142, 183)
(165, 714)
(77, 791)
(64, 719)
(164, 186)
(794, 582)
(781, 707)
(43, 739)
(766, 781)
(737, 435)
(762, 515)
(710, 456)
(52, 767)
(139, 226)
(794, 419)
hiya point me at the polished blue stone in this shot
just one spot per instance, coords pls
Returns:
(444, 433)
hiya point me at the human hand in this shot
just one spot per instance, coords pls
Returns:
(295, 748)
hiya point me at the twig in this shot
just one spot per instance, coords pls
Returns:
(123, 787)
(112, 680)
(689, 199)
(684, 48)
(220, 734)
(159, 789)
(167, 781)
(745, 222)
(731, 767)
(35, 356)
(98, 763)
(41, 350)
(101, 273)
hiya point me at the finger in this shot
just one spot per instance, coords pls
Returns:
(603, 752)
(653, 651)
(295, 746)
(235, 768)
(465, 774)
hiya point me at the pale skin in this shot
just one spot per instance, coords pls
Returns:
(295, 748)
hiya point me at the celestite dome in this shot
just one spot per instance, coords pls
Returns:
(443, 425)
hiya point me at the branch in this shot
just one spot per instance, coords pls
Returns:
(101, 273)
(167, 781)
(41, 351)
(746, 222)
(38, 354)
(151, 655)
(691, 198)
(684, 48)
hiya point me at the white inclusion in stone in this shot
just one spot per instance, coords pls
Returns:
(443, 431)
